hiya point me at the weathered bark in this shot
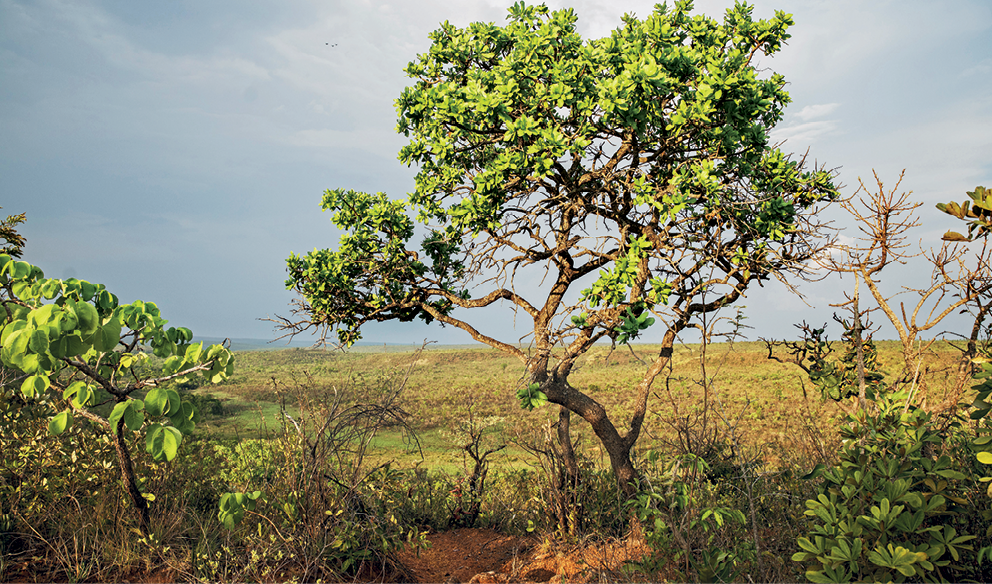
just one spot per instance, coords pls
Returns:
(128, 478)
(617, 446)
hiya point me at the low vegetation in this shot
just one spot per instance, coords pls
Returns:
(355, 457)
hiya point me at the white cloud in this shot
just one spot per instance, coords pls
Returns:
(132, 117)
(816, 111)
(981, 69)
(804, 134)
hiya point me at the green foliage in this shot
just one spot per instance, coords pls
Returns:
(528, 138)
(233, 507)
(675, 509)
(633, 324)
(75, 339)
(531, 396)
(838, 380)
(977, 213)
(643, 157)
(982, 444)
(883, 512)
(980, 226)
(13, 242)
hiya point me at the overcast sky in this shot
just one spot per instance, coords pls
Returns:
(177, 151)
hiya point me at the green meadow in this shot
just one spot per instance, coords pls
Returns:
(771, 406)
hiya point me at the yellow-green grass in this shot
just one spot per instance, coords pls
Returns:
(765, 406)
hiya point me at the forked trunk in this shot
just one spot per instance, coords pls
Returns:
(617, 447)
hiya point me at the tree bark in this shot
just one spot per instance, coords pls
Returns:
(128, 478)
(567, 452)
(617, 446)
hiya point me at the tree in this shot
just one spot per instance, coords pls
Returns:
(977, 213)
(13, 242)
(633, 171)
(958, 280)
(73, 339)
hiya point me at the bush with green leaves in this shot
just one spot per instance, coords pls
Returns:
(315, 484)
(685, 523)
(886, 511)
(74, 344)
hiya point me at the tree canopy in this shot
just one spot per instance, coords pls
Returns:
(636, 169)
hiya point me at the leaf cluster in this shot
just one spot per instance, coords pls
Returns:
(13, 241)
(76, 337)
(643, 156)
(977, 213)
(882, 513)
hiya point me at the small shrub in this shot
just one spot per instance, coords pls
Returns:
(885, 511)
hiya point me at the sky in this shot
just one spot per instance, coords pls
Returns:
(177, 151)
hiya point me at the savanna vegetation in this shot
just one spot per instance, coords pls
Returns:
(634, 171)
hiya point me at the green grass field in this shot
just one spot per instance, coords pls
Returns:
(768, 405)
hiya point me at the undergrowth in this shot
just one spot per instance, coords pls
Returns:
(719, 500)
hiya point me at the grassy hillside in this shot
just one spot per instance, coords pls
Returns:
(356, 456)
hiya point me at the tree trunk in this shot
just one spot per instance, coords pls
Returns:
(567, 451)
(623, 467)
(128, 478)
(568, 481)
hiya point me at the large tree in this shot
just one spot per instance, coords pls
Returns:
(635, 171)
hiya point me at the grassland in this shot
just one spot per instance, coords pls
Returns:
(765, 406)
(758, 424)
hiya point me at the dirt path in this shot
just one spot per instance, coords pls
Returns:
(483, 556)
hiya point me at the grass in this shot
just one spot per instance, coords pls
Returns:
(758, 397)
(760, 419)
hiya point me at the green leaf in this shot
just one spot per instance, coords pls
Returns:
(60, 422)
(531, 396)
(68, 346)
(162, 442)
(106, 337)
(193, 353)
(131, 412)
(35, 364)
(38, 342)
(34, 384)
(985, 457)
(813, 474)
(105, 300)
(233, 507)
(78, 394)
(156, 402)
(952, 474)
(86, 314)
(898, 558)
(175, 402)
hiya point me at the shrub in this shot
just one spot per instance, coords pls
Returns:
(885, 511)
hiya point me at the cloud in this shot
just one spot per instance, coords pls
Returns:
(981, 69)
(165, 130)
(804, 134)
(816, 111)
